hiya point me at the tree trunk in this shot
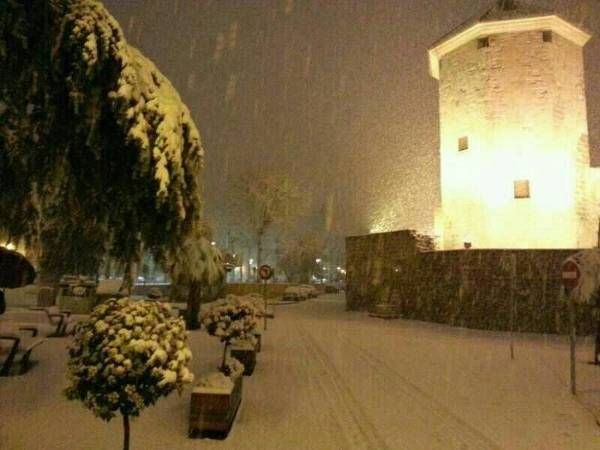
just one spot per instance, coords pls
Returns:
(259, 250)
(224, 354)
(49, 280)
(127, 285)
(125, 432)
(131, 269)
(193, 305)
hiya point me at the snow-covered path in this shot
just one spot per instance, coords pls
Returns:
(329, 379)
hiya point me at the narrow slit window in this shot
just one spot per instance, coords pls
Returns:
(522, 189)
(463, 143)
(483, 42)
(547, 36)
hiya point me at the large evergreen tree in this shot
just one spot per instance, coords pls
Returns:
(98, 154)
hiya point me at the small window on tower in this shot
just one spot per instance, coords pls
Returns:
(483, 42)
(463, 143)
(522, 189)
(547, 36)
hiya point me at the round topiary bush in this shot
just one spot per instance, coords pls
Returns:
(230, 319)
(125, 357)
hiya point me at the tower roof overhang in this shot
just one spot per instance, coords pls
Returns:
(477, 30)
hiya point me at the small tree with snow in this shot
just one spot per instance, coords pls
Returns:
(125, 357)
(230, 319)
(198, 265)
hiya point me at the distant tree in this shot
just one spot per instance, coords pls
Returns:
(298, 258)
(97, 152)
(267, 202)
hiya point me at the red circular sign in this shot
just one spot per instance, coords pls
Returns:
(265, 272)
(570, 275)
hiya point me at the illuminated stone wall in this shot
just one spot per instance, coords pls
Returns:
(520, 102)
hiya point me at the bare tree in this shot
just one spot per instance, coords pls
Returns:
(262, 204)
(298, 258)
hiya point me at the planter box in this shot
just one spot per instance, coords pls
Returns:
(77, 305)
(212, 413)
(246, 356)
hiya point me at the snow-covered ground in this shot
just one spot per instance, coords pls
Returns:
(329, 379)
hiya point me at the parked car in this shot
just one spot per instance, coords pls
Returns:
(311, 291)
(294, 293)
(331, 289)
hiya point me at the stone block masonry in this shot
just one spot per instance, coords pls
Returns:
(466, 288)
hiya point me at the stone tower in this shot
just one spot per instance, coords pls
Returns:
(515, 162)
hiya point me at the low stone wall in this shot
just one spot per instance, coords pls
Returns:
(472, 288)
(467, 288)
(367, 260)
(273, 290)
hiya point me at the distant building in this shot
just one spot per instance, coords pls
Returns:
(515, 159)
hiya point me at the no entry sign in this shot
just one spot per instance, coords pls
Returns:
(570, 275)
(265, 272)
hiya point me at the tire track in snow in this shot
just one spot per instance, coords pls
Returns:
(327, 422)
(358, 430)
(443, 423)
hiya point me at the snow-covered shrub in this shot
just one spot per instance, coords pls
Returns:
(126, 356)
(258, 301)
(247, 343)
(214, 382)
(230, 318)
(232, 368)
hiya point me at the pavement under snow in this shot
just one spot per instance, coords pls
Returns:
(330, 379)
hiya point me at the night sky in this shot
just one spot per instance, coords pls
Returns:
(335, 93)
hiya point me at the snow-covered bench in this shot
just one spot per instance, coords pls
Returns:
(17, 343)
(49, 321)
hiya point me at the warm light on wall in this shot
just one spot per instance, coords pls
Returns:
(514, 155)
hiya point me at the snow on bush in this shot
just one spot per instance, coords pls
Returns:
(258, 301)
(214, 382)
(230, 318)
(147, 106)
(246, 343)
(126, 356)
(232, 368)
(223, 380)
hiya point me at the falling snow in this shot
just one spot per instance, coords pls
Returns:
(337, 93)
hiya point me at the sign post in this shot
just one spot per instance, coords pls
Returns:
(265, 272)
(513, 288)
(570, 278)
